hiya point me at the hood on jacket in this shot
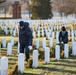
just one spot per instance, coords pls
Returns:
(26, 24)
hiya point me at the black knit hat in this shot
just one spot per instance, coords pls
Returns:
(21, 23)
(63, 28)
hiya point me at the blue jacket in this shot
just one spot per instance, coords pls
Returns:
(25, 36)
(63, 37)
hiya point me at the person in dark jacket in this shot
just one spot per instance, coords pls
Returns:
(25, 38)
(63, 36)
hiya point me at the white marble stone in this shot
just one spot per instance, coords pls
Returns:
(21, 59)
(4, 66)
(11, 31)
(44, 42)
(35, 59)
(37, 44)
(66, 50)
(47, 55)
(69, 33)
(9, 49)
(34, 34)
(14, 33)
(48, 35)
(38, 33)
(42, 32)
(74, 48)
(53, 34)
(12, 41)
(51, 42)
(72, 37)
(3, 42)
(57, 52)
(18, 47)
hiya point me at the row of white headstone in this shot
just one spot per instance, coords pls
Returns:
(51, 33)
(21, 58)
(4, 42)
(53, 24)
(48, 36)
(10, 44)
(9, 47)
(13, 30)
(47, 32)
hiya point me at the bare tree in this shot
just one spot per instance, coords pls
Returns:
(64, 6)
(6, 5)
(1, 1)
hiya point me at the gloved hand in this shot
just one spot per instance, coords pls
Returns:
(62, 42)
(30, 47)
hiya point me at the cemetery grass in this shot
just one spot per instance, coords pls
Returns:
(62, 67)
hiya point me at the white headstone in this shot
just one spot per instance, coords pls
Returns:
(53, 35)
(21, 62)
(44, 42)
(12, 41)
(46, 31)
(57, 34)
(4, 66)
(37, 44)
(18, 47)
(34, 34)
(14, 32)
(66, 50)
(47, 55)
(4, 42)
(9, 49)
(50, 31)
(72, 37)
(51, 42)
(38, 33)
(11, 30)
(42, 32)
(57, 37)
(57, 52)
(6, 31)
(48, 34)
(75, 32)
(35, 58)
(69, 33)
(57, 28)
(74, 48)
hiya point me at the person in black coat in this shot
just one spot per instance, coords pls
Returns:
(25, 38)
(63, 36)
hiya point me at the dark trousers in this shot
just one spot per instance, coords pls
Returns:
(25, 47)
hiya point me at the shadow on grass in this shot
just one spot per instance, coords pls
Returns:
(57, 70)
(12, 63)
(65, 65)
(29, 74)
(70, 60)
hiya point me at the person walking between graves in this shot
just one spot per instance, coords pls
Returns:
(63, 36)
(25, 38)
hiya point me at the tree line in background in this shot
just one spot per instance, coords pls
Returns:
(41, 9)
(65, 6)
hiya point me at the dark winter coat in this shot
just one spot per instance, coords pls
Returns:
(25, 36)
(63, 37)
